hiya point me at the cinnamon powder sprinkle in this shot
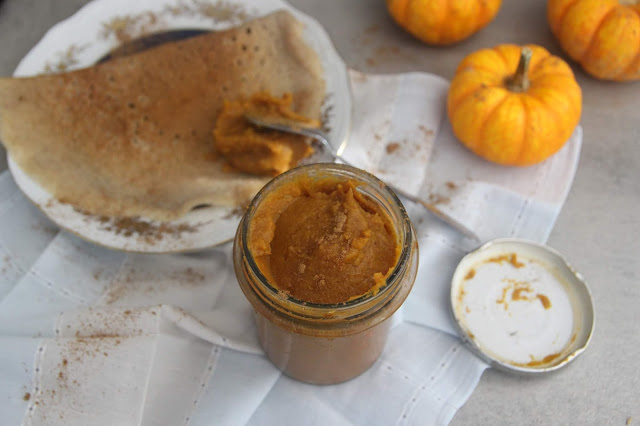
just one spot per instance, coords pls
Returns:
(134, 226)
(392, 147)
(129, 27)
(236, 212)
(26, 396)
(438, 199)
(128, 226)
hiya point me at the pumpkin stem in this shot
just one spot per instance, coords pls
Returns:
(519, 82)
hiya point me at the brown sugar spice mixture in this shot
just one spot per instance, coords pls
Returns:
(322, 241)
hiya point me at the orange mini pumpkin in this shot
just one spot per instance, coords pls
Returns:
(514, 105)
(443, 22)
(602, 35)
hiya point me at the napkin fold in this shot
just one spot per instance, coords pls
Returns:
(93, 336)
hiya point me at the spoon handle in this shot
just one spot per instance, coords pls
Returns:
(462, 228)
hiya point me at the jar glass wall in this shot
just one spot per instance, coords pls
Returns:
(325, 343)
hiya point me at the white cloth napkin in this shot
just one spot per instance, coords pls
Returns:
(90, 336)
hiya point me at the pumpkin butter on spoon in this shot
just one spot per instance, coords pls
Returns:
(322, 241)
(258, 151)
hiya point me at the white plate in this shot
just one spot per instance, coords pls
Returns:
(103, 25)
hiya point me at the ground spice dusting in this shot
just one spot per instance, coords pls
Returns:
(236, 212)
(188, 276)
(6, 264)
(127, 27)
(128, 226)
(427, 132)
(150, 232)
(67, 60)
(438, 199)
(132, 283)
(325, 115)
(392, 147)
(79, 350)
(384, 54)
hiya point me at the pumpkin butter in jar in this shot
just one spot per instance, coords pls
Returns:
(325, 254)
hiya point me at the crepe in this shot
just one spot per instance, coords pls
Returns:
(133, 136)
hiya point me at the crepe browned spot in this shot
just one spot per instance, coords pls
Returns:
(133, 136)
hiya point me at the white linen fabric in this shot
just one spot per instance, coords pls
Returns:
(91, 336)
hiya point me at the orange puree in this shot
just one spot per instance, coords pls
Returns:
(260, 151)
(322, 241)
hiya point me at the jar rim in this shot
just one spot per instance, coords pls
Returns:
(399, 217)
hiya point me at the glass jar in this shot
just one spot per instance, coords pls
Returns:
(327, 343)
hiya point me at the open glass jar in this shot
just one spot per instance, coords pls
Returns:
(326, 343)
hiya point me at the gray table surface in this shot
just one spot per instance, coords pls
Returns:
(598, 229)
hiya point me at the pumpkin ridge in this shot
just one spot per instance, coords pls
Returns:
(479, 21)
(486, 12)
(550, 74)
(523, 142)
(405, 12)
(535, 73)
(585, 55)
(461, 98)
(629, 68)
(487, 70)
(556, 115)
(564, 14)
(533, 69)
(633, 61)
(504, 59)
(487, 118)
(465, 95)
(442, 28)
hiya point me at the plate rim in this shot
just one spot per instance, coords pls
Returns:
(135, 245)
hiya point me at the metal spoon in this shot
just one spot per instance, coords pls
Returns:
(295, 127)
